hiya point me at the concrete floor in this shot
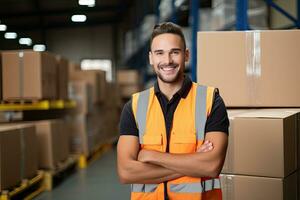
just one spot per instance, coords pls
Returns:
(98, 181)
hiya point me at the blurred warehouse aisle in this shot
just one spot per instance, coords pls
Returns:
(98, 181)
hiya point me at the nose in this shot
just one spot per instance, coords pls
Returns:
(167, 59)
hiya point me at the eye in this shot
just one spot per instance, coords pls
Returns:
(159, 53)
(175, 52)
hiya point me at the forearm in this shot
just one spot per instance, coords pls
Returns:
(195, 164)
(139, 172)
(202, 163)
(162, 179)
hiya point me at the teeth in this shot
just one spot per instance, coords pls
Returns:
(167, 68)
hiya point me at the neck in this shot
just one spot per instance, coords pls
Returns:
(169, 89)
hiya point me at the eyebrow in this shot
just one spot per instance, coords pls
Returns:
(173, 49)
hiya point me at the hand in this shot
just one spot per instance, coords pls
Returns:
(205, 147)
(145, 155)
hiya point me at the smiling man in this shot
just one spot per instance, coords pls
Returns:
(173, 136)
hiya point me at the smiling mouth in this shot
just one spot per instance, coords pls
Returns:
(168, 68)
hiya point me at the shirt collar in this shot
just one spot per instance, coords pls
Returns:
(184, 90)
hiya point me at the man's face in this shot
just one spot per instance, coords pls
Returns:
(168, 57)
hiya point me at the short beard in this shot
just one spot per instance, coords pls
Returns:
(174, 80)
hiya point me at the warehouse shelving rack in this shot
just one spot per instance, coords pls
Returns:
(63, 170)
(28, 189)
(19, 110)
(37, 105)
(139, 59)
(85, 160)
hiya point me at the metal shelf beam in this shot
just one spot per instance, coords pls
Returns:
(285, 13)
(241, 15)
(194, 24)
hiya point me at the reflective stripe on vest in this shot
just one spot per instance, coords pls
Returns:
(200, 187)
(141, 113)
(200, 111)
(143, 187)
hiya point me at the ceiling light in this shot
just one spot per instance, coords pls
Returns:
(10, 35)
(39, 47)
(25, 41)
(3, 27)
(89, 3)
(78, 18)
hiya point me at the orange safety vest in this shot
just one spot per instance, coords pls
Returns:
(186, 135)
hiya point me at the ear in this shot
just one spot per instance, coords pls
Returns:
(186, 55)
(150, 58)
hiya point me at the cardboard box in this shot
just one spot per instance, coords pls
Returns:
(62, 77)
(64, 146)
(128, 77)
(113, 96)
(10, 158)
(95, 79)
(128, 90)
(294, 110)
(29, 147)
(73, 67)
(78, 134)
(48, 136)
(236, 187)
(28, 75)
(251, 68)
(81, 92)
(262, 143)
(87, 131)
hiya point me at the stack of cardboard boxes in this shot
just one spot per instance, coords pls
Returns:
(53, 143)
(256, 69)
(112, 107)
(129, 81)
(28, 76)
(95, 120)
(18, 154)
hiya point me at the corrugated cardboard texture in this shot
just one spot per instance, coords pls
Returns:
(262, 143)
(128, 90)
(128, 77)
(64, 146)
(62, 77)
(226, 60)
(81, 92)
(48, 136)
(28, 75)
(113, 95)
(94, 78)
(29, 148)
(235, 187)
(78, 134)
(73, 67)
(10, 158)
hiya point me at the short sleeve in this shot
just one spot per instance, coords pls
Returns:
(218, 118)
(127, 121)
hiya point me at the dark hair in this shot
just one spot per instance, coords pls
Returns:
(167, 27)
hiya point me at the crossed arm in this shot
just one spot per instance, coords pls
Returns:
(144, 166)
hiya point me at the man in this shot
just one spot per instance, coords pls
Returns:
(173, 136)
